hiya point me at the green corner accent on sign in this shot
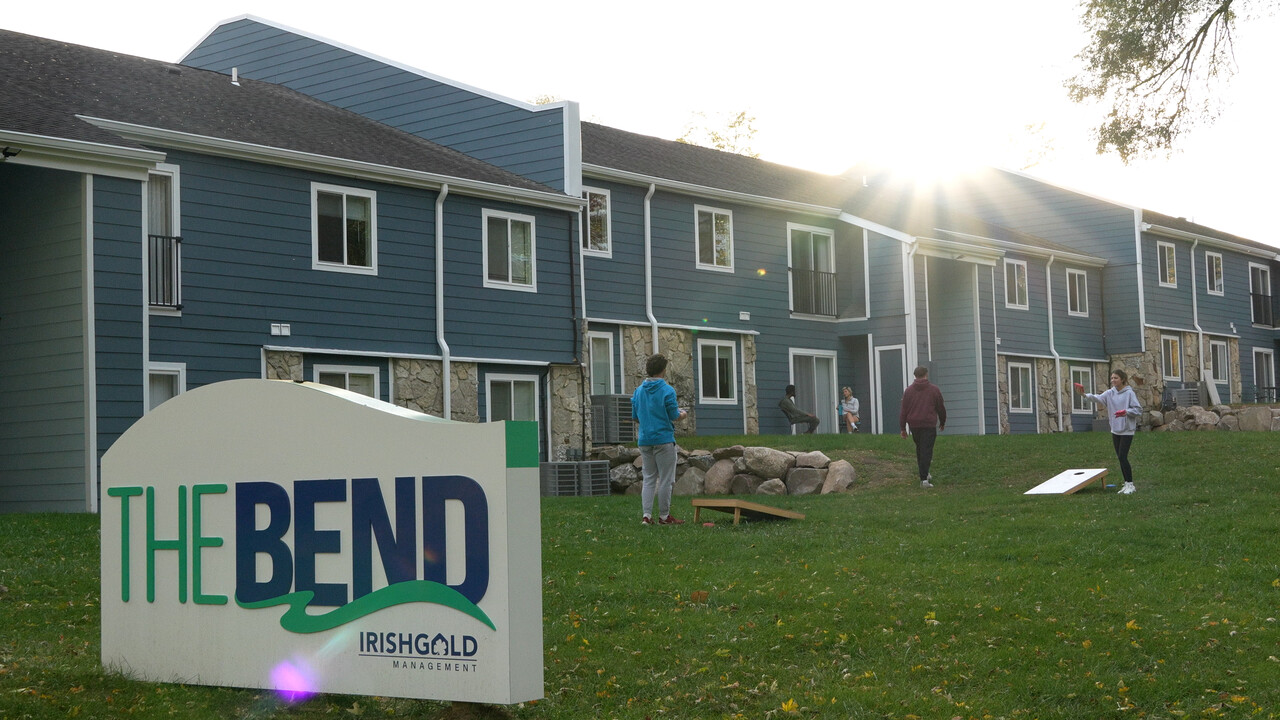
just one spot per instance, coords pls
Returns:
(522, 444)
(297, 620)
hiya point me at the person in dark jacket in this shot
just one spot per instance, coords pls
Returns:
(924, 412)
(653, 407)
(794, 414)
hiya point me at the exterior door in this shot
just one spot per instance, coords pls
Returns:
(891, 380)
(814, 375)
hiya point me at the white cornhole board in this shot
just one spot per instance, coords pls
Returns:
(1067, 482)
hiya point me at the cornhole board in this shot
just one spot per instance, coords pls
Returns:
(1068, 481)
(741, 509)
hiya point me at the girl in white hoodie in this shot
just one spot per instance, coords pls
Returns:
(1123, 410)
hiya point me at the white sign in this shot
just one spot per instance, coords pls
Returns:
(290, 536)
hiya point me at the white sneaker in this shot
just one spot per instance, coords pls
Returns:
(1128, 489)
(926, 483)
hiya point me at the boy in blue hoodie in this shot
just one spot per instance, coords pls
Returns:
(653, 406)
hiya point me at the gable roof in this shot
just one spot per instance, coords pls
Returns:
(50, 86)
(1186, 226)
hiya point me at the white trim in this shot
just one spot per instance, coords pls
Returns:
(591, 353)
(1082, 292)
(174, 173)
(1165, 356)
(1142, 282)
(988, 255)
(400, 356)
(90, 347)
(1208, 240)
(1029, 392)
(571, 123)
(977, 352)
(1166, 264)
(607, 252)
(831, 262)
(80, 157)
(1208, 274)
(343, 191)
(145, 299)
(510, 378)
(879, 394)
(1270, 361)
(1225, 364)
(1266, 270)
(178, 370)
(697, 239)
(510, 217)
(602, 172)
(833, 356)
(347, 371)
(733, 350)
(1026, 285)
(1086, 407)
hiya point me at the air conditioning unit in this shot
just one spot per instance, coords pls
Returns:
(583, 478)
(593, 478)
(611, 419)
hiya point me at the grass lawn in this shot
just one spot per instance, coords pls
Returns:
(970, 600)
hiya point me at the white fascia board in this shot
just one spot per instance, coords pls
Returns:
(606, 173)
(672, 326)
(1208, 240)
(80, 156)
(1037, 356)
(338, 166)
(1032, 250)
(955, 250)
(403, 356)
(875, 227)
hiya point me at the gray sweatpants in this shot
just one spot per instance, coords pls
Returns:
(659, 472)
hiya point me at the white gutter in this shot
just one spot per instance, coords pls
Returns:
(995, 345)
(1137, 253)
(672, 326)
(648, 264)
(1216, 242)
(608, 173)
(90, 347)
(1195, 311)
(446, 379)
(1053, 349)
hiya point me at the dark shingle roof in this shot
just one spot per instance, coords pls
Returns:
(48, 83)
(1185, 225)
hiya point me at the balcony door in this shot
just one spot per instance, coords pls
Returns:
(813, 372)
(812, 262)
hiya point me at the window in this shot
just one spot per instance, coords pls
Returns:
(1077, 293)
(1219, 362)
(1015, 284)
(511, 397)
(1213, 272)
(1264, 375)
(1081, 405)
(164, 244)
(362, 380)
(1021, 391)
(1168, 264)
(719, 384)
(1263, 312)
(601, 345)
(1171, 357)
(510, 251)
(344, 229)
(597, 235)
(813, 282)
(715, 238)
(165, 381)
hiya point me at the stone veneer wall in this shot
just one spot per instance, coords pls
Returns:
(284, 365)
(418, 383)
(568, 411)
(678, 346)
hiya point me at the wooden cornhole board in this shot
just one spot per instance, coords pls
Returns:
(741, 509)
(1068, 481)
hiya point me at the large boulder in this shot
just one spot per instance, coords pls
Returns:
(1156, 418)
(805, 481)
(618, 454)
(623, 477)
(718, 478)
(1255, 419)
(1229, 422)
(702, 459)
(729, 452)
(768, 463)
(744, 484)
(772, 487)
(840, 477)
(815, 459)
(1206, 419)
(692, 482)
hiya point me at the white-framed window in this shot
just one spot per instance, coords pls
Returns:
(1171, 357)
(165, 381)
(718, 377)
(510, 251)
(1261, 310)
(1213, 273)
(811, 262)
(344, 229)
(601, 348)
(1081, 405)
(1077, 293)
(1015, 284)
(1264, 375)
(511, 397)
(1167, 258)
(1219, 362)
(164, 238)
(1021, 389)
(713, 232)
(597, 225)
(356, 378)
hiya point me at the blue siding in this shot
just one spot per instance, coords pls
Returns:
(953, 359)
(1024, 331)
(615, 285)
(987, 302)
(1168, 306)
(118, 243)
(525, 140)
(1074, 335)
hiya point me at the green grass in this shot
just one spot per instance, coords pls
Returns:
(970, 600)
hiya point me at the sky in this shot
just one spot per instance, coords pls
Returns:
(929, 86)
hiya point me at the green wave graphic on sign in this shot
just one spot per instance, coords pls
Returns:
(297, 620)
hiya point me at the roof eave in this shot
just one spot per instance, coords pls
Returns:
(608, 173)
(79, 155)
(1177, 234)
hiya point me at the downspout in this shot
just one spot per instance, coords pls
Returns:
(648, 264)
(1053, 349)
(580, 352)
(995, 346)
(446, 378)
(1195, 314)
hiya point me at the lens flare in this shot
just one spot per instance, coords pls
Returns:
(760, 272)
(293, 682)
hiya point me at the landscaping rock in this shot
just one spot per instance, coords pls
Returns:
(767, 462)
(744, 484)
(1229, 422)
(1206, 419)
(840, 477)
(634, 489)
(617, 454)
(815, 459)
(1156, 418)
(623, 477)
(805, 481)
(702, 459)
(718, 478)
(772, 487)
(730, 452)
(1255, 419)
(692, 482)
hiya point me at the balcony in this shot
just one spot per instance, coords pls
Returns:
(164, 271)
(1264, 309)
(813, 292)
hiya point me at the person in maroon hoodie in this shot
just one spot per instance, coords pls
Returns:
(923, 411)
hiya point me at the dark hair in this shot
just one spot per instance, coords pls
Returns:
(655, 365)
(922, 371)
(791, 390)
(1124, 377)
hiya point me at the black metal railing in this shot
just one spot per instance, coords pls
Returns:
(813, 292)
(1264, 310)
(164, 270)
(1263, 394)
